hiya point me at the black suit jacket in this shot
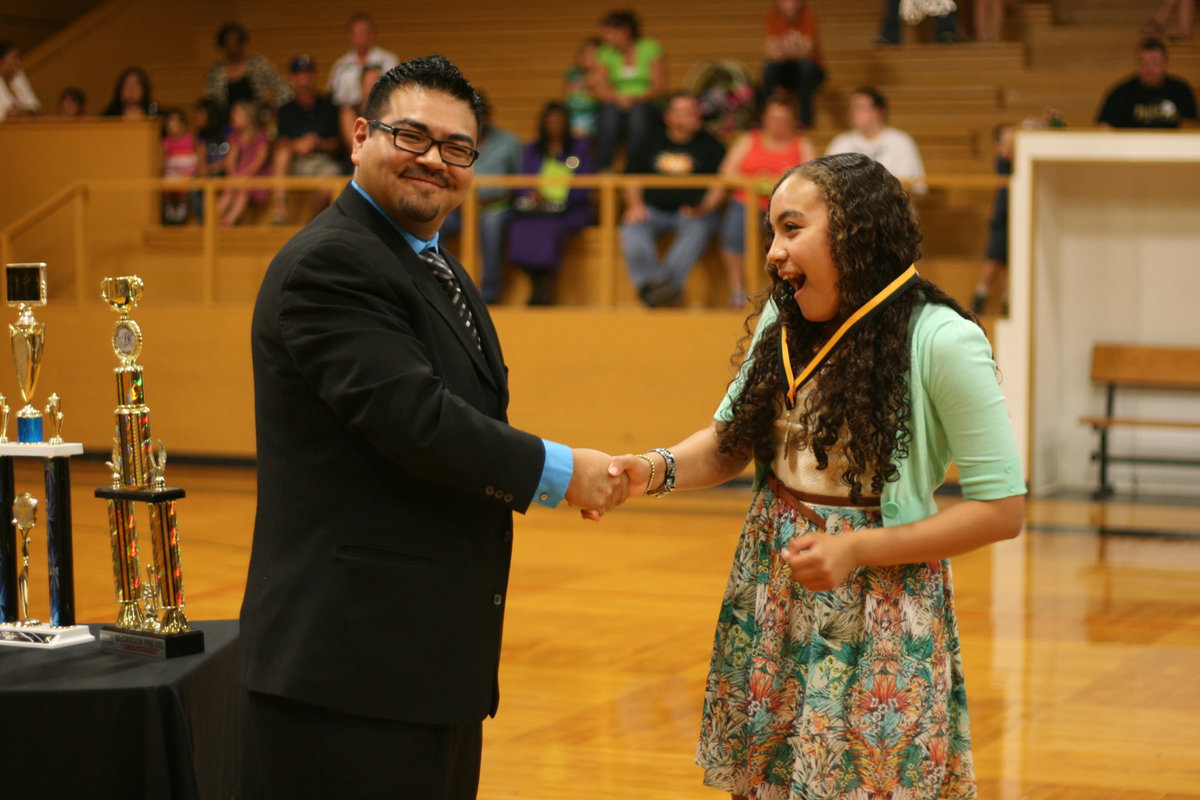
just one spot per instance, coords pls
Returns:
(387, 478)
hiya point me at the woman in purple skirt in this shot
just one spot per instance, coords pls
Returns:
(548, 213)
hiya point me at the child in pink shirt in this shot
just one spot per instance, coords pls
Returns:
(180, 160)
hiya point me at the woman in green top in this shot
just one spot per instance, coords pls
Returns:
(632, 75)
(836, 671)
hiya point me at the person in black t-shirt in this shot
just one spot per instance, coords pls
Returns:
(683, 148)
(308, 142)
(1150, 99)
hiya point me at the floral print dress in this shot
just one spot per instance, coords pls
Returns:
(855, 693)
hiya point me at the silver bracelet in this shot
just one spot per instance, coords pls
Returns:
(668, 484)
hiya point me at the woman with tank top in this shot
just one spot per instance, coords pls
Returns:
(765, 154)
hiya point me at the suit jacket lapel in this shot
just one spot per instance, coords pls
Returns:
(354, 206)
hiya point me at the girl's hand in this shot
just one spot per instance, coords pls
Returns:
(636, 467)
(820, 562)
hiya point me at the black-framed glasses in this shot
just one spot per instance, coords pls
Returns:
(453, 153)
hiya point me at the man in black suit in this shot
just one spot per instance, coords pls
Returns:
(387, 476)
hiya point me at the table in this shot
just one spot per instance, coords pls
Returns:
(85, 722)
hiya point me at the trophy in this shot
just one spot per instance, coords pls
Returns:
(150, 618)
(25, 288)
(26, 285)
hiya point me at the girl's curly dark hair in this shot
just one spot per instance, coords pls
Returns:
(873, 237)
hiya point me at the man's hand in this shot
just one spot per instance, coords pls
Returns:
(593, 488)
(306, 144)
(636, 214)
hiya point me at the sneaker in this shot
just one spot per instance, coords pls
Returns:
(655, 293)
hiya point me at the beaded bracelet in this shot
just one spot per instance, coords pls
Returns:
(649, 461)
(668, 484)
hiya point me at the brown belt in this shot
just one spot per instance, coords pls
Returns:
(800, 501)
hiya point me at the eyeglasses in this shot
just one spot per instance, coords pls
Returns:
(453, 153)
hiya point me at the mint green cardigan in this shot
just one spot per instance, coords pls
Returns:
(958, 414)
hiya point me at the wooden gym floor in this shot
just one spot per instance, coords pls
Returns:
(1081, 639)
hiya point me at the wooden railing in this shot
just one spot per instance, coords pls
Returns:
(74, 195)
(609, 190)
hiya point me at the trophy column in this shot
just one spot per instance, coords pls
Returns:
(138, 472)
(8, 542)
(25, 286)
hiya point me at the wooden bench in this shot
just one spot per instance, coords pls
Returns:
(1128, 366)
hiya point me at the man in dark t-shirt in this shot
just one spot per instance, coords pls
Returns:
(1150, 99)
(309, 143)
(683, 148)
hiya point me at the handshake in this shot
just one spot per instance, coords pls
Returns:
(601, 482)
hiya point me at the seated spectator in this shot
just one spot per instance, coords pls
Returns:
(765, 154)
(345, 77)
(131, 96)
(499, 154)
(181, 159)
(632, 77)
(1151, 98)
(872, 136)
(793, 55)
(16, 95)
(1185, 15)
(347, 114)
(683, 148)
(212, 137)
(307, 141)
(238, 76)
(947, 23)
(545, 216)
(579, 90)
(248, 156)
(72, 103)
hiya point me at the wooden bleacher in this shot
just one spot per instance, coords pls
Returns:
(949, 97)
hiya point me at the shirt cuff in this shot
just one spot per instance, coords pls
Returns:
(556, 474)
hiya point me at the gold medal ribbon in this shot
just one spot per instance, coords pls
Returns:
(859, 317)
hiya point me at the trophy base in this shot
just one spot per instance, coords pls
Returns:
(154, 645)
(43, 636)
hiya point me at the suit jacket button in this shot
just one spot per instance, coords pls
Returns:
(508, 535)
(497, 599)
(508, 497)
(489, 491)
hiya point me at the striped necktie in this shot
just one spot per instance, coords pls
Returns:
(441, 270)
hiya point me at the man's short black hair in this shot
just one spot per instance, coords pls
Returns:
(428, 72)
(1153, 43)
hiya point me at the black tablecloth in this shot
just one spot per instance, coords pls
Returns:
(84, 722)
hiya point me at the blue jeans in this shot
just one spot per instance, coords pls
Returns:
(493, 227)
(634, 126)
(640, 243)
(947, 26)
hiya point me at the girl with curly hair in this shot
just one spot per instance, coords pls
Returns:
(836, 670)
